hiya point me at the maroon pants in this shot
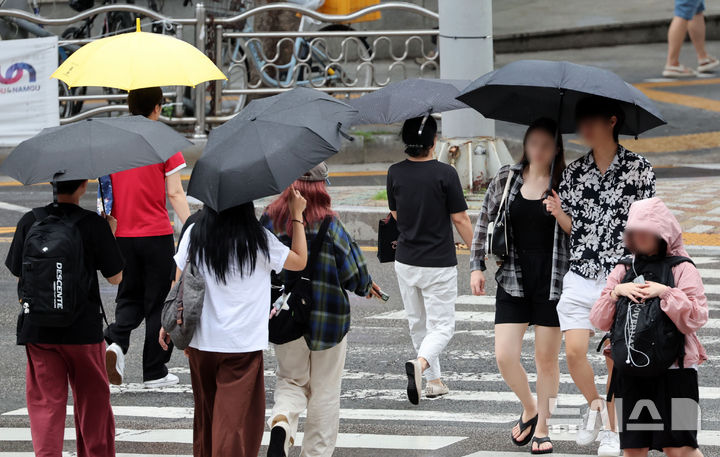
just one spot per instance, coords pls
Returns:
(229, 392)
(49, 369)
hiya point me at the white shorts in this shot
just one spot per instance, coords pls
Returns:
(579, 294)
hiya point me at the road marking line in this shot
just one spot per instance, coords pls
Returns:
(690, 101)
(673, 143)
(185, 436)
(678, 83)
(13, 207)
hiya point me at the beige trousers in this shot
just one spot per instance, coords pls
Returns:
(310, 380)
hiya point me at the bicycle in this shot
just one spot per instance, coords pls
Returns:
(315, 61)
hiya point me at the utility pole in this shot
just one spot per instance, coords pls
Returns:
(466, 52)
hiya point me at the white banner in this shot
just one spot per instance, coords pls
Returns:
(28, 97)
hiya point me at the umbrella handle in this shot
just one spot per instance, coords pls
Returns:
(54, 186)
(343, 133)
(557, 141)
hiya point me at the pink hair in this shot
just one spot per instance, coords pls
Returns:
(318, 205)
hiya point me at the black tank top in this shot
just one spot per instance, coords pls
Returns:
(532, 228)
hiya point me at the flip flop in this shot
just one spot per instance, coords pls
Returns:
(531, 424)
(539, 441)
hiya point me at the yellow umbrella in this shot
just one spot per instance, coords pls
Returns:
(135, 60)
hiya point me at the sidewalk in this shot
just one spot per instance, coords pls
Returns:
(515, 16)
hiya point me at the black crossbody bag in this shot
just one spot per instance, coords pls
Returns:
(292, 321)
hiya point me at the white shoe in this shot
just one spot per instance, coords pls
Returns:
(114, 364)
(708, 65)
(436, 390)
(609, 444)
(678, 71)
(414, 374)
(588, 431)
(169, 380)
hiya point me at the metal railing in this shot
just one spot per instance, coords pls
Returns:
(333, 57)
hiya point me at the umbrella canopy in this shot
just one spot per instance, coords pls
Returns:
(525, 90)
(407, 99)
(92, 148)
(136, 60)
(267, 146)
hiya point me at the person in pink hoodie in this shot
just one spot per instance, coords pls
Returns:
(652, 231)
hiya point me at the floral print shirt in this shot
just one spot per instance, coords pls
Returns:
(598, 205)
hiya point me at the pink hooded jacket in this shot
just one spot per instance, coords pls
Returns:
(685, 303)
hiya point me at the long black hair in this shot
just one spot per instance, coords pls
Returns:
(550, 127)
(231, 237)
(419, 144)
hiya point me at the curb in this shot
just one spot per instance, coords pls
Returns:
(638, 32)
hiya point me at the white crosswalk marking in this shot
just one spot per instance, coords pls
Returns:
(373, 399)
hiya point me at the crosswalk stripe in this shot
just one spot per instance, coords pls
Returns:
(185, 436)
(489, 317)
(708, 273)
(73, 454)
(415, 415)
(514, 454)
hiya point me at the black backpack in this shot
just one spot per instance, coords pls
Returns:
(54, 283)
(645, 341)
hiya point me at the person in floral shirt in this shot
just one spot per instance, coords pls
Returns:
(592, 205)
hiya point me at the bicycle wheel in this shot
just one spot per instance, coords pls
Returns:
(234, 65)
(348, 58)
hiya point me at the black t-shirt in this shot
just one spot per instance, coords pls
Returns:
(425, 194)
(532, 228)
(101, 253)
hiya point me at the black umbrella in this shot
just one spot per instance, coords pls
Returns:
(525, 90)
(267, 146)
(92, 148)
(408, 99)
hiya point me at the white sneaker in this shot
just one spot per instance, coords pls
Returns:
(588, 431)
(436, 390)
(609, 444)
(114, 364)
(169, 380)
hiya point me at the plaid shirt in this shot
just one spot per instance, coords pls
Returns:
(341, 267)
(509, 275)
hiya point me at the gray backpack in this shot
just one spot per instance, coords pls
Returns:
(183, 306)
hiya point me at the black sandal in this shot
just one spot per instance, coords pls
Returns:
(531, 424)
(539, 441)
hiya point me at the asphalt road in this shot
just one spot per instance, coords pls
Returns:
(376, 419)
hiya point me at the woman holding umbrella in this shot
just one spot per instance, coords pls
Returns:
(529, 278)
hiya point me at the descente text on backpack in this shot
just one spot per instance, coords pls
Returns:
(54, 282)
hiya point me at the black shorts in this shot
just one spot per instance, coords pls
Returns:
(535, 308)
(674, 419)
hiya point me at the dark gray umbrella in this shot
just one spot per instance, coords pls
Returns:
(92, 148)
(525, 90)
(267, 146)
(407, 99)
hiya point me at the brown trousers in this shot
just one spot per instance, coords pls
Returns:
(229, 393)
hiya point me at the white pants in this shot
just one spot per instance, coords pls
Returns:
(310, 380)
(579, 294)
(429, 296)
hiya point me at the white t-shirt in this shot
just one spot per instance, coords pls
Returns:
(235, 314)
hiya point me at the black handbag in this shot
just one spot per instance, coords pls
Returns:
(291, 322)
(387, 239)
(497, 239)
